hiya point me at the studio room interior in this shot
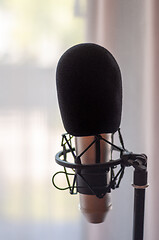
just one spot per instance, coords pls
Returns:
(84, 71)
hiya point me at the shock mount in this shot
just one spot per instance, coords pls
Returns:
(82, 173)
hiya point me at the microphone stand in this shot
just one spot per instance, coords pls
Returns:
(140, 184)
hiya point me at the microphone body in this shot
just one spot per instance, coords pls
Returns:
(93, 208)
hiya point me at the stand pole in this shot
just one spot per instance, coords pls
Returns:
(140, 184)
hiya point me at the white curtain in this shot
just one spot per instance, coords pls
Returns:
(129, 29)
(152, 118)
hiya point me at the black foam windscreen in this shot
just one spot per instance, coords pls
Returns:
(89, 90)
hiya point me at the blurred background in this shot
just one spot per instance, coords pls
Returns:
(33, 36)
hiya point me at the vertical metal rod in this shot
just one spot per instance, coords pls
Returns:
(139, 205)
(140, 184)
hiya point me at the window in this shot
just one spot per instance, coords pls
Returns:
(34, 34)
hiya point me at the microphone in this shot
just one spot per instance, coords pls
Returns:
(89, 90)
